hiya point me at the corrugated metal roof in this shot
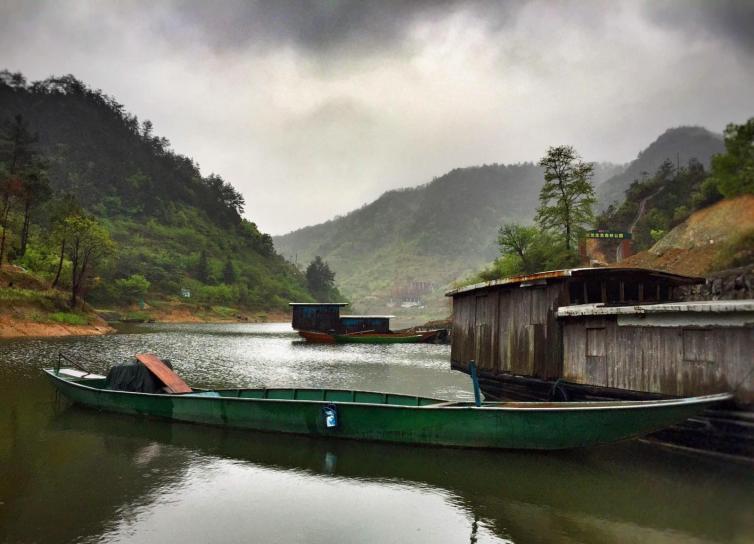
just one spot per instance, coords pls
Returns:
(706, 306)
(567, 273)
(317, 304)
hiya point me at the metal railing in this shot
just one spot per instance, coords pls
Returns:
(63, 357)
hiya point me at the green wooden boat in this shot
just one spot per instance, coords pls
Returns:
(387, 338)
(364, 415)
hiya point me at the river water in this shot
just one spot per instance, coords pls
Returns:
(69, 474)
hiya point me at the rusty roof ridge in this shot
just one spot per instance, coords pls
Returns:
(566, 273)
(697, 306)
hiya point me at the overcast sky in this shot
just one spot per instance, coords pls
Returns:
(312, 109)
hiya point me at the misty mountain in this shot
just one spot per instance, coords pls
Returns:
(677, 144)
(433, 233)
(447, 229)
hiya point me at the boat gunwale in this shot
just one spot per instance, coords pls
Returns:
(193, 395)
(540, 406)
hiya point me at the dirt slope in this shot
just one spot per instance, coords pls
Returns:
(698, 245)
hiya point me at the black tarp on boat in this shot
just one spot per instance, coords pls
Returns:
(134, 376)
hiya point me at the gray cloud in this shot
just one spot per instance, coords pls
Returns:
(730, 20)
(322, 26)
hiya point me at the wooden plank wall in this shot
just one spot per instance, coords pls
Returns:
(316, 318)
(510, 329)
(669, 360)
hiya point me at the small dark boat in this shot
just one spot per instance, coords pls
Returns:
(366, 415)
(370, 337)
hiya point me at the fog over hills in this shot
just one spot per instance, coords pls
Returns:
(415, 242)
(677, 144)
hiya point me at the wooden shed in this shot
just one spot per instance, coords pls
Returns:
(316, 316)
(510, 326)
(679, 349)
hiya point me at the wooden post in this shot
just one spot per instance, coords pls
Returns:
(475, 382)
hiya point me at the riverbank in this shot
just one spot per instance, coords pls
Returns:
(34, 320)
(172, 311)
(19, 321)
(28, 307)
(14, 328)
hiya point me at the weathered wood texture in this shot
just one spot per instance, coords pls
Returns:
(683, 361)
(510, 329)
(311, 317)
(510, 326)
(364, 323)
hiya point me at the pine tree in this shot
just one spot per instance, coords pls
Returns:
(17, 154)
(202, 267)
(567, 197)
(319, 277)
(229, 273)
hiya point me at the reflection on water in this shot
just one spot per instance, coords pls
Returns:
(71, 474)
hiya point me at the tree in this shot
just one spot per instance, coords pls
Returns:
(17, 145)
(517, 239)
(229, 273)
(35, 189)
(567, 196)
(526, 250)
(10, 188)
(319, 277)
(61, 209)
(87, 242)
(17, 154)
(132, 288)
(733, 171)
(202, 267)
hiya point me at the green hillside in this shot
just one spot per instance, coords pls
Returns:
(427, 236)
(679, 145)
(665, 198)
(169, 225)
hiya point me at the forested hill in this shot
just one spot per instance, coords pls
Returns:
(678, 145)
(431, 234)
(171, 225)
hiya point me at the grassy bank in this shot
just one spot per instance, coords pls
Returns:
(28, 307)
(177, 311)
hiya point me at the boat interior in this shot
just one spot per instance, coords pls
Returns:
(372, 397)
(325, 395)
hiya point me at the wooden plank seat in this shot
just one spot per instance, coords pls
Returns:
(173, 382)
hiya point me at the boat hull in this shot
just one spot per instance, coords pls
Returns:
(378, 338)
(537, 426)
(367, 338)
(317, 337)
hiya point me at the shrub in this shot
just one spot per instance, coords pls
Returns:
(69, 318)
(217, 294)
(132, 288)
